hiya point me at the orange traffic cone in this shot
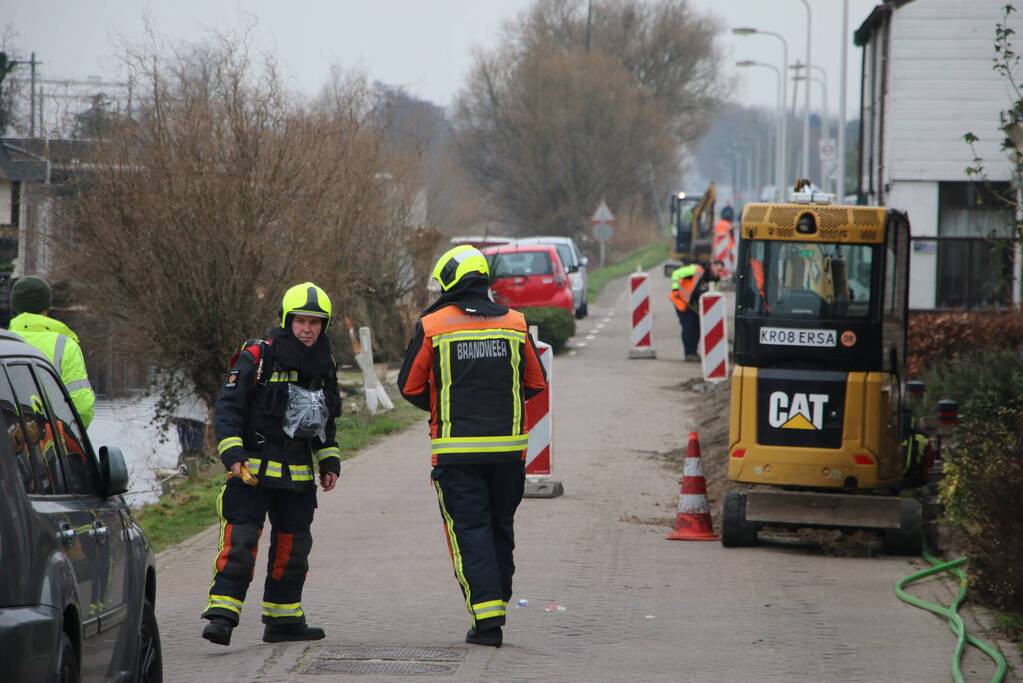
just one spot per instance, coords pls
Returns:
(692, 523)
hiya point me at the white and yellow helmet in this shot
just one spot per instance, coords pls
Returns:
(458, 263)
(306, 299)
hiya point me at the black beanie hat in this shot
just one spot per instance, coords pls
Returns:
(31, 294)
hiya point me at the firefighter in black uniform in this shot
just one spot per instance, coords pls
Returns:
(274, 421)
(472, 364)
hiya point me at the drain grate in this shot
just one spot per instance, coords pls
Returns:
(395, 661)
(379, 668)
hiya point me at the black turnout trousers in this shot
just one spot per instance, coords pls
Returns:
(477, 505)
(242, 510)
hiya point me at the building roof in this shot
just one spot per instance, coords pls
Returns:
(17, 165)
(876, 17)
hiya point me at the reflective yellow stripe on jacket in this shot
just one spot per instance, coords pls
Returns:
(276, 470)
(480, 444)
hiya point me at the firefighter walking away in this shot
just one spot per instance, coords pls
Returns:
(275, 426)
(472, 364)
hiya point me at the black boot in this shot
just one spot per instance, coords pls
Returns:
(280, 633)
(218, 630)
(491, 637)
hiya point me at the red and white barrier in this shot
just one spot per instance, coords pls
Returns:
(713, 337)
(540, 424)
(642, 317)
(723, 252)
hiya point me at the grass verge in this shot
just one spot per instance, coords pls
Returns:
(1010, 625)
(192, 506)
(645, 258)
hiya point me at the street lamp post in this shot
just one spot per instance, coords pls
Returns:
(806, 98)
(780, 154)
(782, 151)
(823, 82)
(841, 100)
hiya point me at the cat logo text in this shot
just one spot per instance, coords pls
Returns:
(798, 411)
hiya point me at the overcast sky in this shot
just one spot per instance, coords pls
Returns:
(426, 46)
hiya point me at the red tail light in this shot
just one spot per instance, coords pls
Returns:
(863, 459)
(739, 453)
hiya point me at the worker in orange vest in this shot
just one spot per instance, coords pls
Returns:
(688, 284)
(724, 235)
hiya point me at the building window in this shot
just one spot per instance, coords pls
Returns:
(15, 204)
(974, 247)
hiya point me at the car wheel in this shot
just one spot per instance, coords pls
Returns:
(68, 669)
(582, 311)
(150, 656)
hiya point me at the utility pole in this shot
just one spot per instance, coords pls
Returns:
(32, 95)
(589, 24)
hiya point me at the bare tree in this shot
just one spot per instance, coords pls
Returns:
(669, 48)
(550, 133)
(547, 126)
(11, 89)
(225, 188)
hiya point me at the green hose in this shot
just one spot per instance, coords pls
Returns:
(951, 614)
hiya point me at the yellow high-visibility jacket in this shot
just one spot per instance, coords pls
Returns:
(60, 345)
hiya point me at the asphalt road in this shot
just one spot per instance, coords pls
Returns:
(608, 598)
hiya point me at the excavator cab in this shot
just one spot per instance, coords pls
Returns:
(819, 418)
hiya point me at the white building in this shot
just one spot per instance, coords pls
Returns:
(927, 81)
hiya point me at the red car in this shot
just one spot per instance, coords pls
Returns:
(529, 275)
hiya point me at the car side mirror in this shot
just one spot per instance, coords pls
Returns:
(572, 269)
(113, 471)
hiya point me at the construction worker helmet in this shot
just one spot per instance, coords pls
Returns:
(728, 213)
(306, 299)
(459, 263)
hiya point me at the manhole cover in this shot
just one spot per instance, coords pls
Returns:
(423, 654)
(379, 668)
(395, 661)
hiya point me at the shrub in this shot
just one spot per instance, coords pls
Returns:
(935, 337)
(983, 494)
(981, 381)
(556, 324)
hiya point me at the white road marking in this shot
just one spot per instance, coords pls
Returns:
(573, 353)
(591, 336)
(579, 345)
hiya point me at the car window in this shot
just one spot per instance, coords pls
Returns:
(522, 263)
(38, 431)
(567, 257)
(80, 466)
(16, 435)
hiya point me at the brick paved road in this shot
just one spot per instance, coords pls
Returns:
(637, 607)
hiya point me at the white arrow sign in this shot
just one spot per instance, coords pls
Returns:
(602, 214)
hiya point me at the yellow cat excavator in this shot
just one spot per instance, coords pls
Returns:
(819, 418)
(692, 220)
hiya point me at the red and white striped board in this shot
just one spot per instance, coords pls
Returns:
(538, 421)
(642, 317)
(714, 337)
(723, 253)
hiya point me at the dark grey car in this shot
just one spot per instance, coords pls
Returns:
(77, 575)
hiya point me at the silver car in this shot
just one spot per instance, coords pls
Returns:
(574, 262)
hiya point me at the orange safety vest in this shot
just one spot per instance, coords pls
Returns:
(683, 284)
(756, 268)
